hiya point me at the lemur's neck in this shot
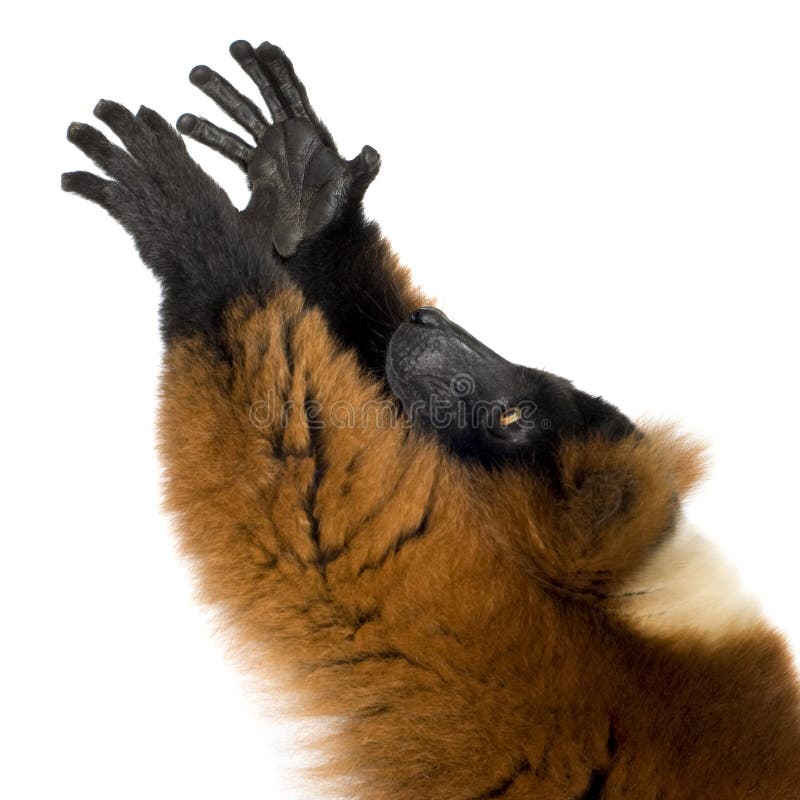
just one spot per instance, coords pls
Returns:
(688, 590)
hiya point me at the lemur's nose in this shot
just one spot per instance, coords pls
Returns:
(427, 315)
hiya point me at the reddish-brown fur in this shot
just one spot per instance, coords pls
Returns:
(455, 624)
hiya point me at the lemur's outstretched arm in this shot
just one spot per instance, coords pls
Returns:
(306, 203)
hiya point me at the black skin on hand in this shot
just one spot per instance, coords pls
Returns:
(300, 184)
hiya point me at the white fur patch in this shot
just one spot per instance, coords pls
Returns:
(687, 588)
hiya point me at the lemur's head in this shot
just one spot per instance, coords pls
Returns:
(483, 406)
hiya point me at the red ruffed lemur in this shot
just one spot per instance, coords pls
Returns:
(478, 574)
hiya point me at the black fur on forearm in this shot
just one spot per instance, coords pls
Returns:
(351, 273)
(194, 302)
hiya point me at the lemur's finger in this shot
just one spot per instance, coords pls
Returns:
(205, 132)
(246, 57)
(290, 87)
(284, 79)
(365, 166)
(111, 159)
(166, 136)
(159, 126)
(132, 133)
(156, 123)
(107, 194)
(230, 100)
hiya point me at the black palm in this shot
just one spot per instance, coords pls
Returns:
(301, 185)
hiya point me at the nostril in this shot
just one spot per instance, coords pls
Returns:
(427, 315)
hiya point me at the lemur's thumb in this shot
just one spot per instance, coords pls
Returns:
(364, 167)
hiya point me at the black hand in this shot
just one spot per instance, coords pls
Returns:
(185, 227)
(301, 186)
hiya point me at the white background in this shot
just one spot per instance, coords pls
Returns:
(606, 190)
